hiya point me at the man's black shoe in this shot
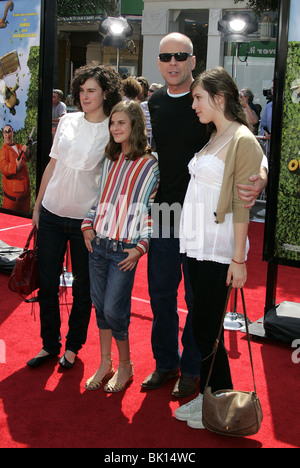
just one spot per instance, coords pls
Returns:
(158, 379)
(185, 386)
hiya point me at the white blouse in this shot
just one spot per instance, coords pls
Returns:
(78, 148)
(200, 236)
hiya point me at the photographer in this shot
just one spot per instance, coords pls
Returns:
(266, 123)
(247, 97)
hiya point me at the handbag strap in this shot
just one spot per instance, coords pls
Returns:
(216, 345)
(32, 234)
(248, 338)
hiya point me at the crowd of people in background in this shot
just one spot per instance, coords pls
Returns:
(134, 89)
(140, 90)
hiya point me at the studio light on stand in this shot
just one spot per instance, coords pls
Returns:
(236, 27)
(117, 31)
(233, 320)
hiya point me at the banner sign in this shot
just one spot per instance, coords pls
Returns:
(254, 49)
(20, 29)
(287, 230)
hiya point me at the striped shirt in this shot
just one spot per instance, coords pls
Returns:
(127, 191)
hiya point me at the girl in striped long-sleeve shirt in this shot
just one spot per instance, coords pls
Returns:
(117, 232)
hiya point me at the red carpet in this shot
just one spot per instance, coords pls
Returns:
(48, 408)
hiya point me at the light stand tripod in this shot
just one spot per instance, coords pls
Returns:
(234, 321)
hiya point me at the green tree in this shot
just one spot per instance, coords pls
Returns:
(261, 6)
(85, 7)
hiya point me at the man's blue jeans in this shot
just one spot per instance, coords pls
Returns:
(53, 235)
(110, 287)
(165, 268)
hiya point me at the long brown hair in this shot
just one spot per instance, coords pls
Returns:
(217, 81)
(138, 141)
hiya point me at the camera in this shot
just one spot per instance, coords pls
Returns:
(268, 94)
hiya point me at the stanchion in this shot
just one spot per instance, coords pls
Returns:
(66, 279)
(234, 321)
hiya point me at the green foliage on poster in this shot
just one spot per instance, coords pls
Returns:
(287, 238)
(31, 120)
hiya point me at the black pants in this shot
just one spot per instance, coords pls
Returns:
(53, 236)
(209, 285)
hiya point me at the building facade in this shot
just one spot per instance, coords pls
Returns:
(253, 67)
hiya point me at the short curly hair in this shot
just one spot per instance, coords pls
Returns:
(107, 78)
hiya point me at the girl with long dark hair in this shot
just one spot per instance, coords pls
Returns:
(214, 224)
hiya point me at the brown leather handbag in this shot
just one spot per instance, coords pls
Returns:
(24, 278)
(232, 412)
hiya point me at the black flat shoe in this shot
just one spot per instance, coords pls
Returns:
(63, 362)
(39, 361)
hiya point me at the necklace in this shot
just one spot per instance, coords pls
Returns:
(216, 138)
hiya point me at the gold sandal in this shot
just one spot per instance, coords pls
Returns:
(92, 384)
(113, 386)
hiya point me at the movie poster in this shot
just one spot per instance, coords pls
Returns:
(287, 232)
(19, 82)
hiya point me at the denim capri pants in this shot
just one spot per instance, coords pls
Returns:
(111, 288)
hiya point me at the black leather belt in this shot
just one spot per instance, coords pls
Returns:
(15, 199)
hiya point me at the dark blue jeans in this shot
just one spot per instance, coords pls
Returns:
(53, 235)
(165, 268)
(111, 287)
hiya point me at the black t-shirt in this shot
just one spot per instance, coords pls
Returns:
(178, 135)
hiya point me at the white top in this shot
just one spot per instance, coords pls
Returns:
(79, 149)
(200, 236)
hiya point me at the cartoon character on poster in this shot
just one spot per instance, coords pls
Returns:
(19, 81)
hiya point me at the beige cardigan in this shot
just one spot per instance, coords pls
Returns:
(244, 158)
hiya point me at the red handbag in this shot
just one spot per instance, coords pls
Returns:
(24, 278)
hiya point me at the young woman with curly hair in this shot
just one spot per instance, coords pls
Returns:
(69, 186)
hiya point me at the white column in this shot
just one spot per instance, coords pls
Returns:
(93, 52)
(155, 25)
(215, 46)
